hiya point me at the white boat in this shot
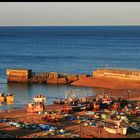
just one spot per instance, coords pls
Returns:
(121, 130)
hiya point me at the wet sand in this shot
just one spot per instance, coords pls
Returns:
(111, 83)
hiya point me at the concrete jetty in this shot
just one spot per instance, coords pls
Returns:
(27, 76)
(18, 75)
(112, 78)
(106, 78)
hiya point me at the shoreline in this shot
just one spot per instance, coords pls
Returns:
(110, 83)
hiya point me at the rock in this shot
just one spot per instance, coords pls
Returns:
(72, 77)
(52, 81)
(82, 76)
(53, 75)
(62, 80)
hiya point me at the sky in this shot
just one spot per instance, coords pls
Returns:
(69, 13)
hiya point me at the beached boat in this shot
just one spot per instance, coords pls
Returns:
(2, 99)
(78, 107)
(10, 99)
(133, 129)
(39, 98)
(121, 130)
(35, 107)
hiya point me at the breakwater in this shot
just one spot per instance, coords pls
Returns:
(106, 78)
(27, 76)
(112, 79)
(117, 73)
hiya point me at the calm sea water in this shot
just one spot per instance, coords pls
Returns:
(76, 49)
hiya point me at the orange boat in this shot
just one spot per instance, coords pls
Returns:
(10, 99)
(35, 107)
(2, 99)
(96, 106)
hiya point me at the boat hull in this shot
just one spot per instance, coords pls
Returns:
(116, 130)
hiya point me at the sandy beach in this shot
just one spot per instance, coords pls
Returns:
(72, 127)
(111, 83)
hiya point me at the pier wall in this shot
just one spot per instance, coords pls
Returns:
(56, 78)
(117, 73)
(107, 78)
(18, 75)
(112, 79)
(26, 75)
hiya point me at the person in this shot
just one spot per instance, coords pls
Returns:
(99, 127)
(5, 99)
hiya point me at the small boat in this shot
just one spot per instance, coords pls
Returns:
(35, 107)
(78, 107)
(39, 98)
(121, 130)
(133, 129)
(10, 99)
(2, 98)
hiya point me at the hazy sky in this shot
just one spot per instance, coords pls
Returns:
(69, 13)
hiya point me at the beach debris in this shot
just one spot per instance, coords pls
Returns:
(53, 130)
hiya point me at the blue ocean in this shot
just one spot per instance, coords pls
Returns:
(70, 49)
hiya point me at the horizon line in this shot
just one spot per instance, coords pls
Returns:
(60, 25)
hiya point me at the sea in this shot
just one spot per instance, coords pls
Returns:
(66, 49)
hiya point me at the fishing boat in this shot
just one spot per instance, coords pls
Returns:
(78, 107)
(121, 130)
(10, 99)
(133, 129)
(37, 105)
(39, 98)
(2, 99)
